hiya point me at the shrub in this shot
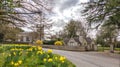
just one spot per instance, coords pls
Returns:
(39, 42)
(58, 43)
(51, 42)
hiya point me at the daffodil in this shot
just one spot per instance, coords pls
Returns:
(39, 52)
(20, 61)
(49, 51)
(30, 49)
(9, 55)
(62, 58)
(14, 53)
(12, 62)
(63, 61)
(56, 58)
(39, 48)
(48, 56)
(16, 64)
(44, 59)
(50, 60)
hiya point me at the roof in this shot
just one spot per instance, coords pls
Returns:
(66, 40)
(77, 40)
(88, 39)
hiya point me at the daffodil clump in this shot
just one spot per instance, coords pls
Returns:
(39, 42)
(31, 56)
(58, 43)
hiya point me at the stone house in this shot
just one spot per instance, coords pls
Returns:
(24, 37)
(72, 41)
(27, 37)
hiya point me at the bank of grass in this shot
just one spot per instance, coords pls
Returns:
(31, 56)
(101, 49)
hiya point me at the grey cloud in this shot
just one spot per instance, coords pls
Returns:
(68, 4)
(60, 23)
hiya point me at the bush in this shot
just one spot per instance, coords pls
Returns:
(51, 42)
(39, 42)
(58, 43)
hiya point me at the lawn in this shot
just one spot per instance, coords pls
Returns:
(108, 48)
(30, 56)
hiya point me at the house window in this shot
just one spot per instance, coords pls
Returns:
(27, 39)
(21, 39)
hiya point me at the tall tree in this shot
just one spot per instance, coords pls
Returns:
(104, 13)
(103, 10)
(71, 28)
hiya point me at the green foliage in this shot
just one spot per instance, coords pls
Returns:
(51, 42)
(103, 10)
(71, 28)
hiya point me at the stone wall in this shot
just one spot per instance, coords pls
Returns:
(69, 48)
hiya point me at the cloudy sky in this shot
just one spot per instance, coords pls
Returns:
(64, 10)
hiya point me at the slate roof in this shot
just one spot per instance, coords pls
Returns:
(89, 40)
(77, 40)
(66, 40)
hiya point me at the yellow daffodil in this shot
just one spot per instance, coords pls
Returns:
(48, 56)
(9, 55)
(56, 58)
(20, 53)
(39, 48)
(3, 54)
(16, 64)
(39, 52)
(50, 60)
(30, 49)
(34, 46)
(49, 51)
(12, 62)
(44, 59)
(63, 61)
(20, 61)
(14, 53)
(62, 58)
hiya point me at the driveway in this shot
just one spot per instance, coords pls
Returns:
(90, 59)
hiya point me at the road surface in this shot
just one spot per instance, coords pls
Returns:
(90, 59)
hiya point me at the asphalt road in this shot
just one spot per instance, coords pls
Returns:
(90, 59)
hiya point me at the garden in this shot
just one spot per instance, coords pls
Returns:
(21, 55)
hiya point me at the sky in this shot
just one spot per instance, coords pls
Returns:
(66, 10)
(63, 11)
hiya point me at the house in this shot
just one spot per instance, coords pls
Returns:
(89, 43)
(24, 37)
(27, 37)
(72, 41)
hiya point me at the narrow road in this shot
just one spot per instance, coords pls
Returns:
(90, 59)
